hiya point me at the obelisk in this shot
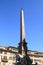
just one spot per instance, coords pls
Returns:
(22, 30)
(22, 45)
(22, 58)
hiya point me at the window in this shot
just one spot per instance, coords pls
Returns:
(0, 51)
(5, 57)
(14, 58)
(10, 58)
(13, 63)
(5, 52)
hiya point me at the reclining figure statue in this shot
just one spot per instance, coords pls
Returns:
(23, 60)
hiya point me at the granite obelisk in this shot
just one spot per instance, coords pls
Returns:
(22, 58)
(22, 45)
(22, 30)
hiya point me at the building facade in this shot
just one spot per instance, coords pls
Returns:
(8, 56)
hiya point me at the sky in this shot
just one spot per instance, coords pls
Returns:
(10, 23)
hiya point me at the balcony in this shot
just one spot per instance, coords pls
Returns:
(4, 59)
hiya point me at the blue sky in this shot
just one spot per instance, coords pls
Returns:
(10, 23)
